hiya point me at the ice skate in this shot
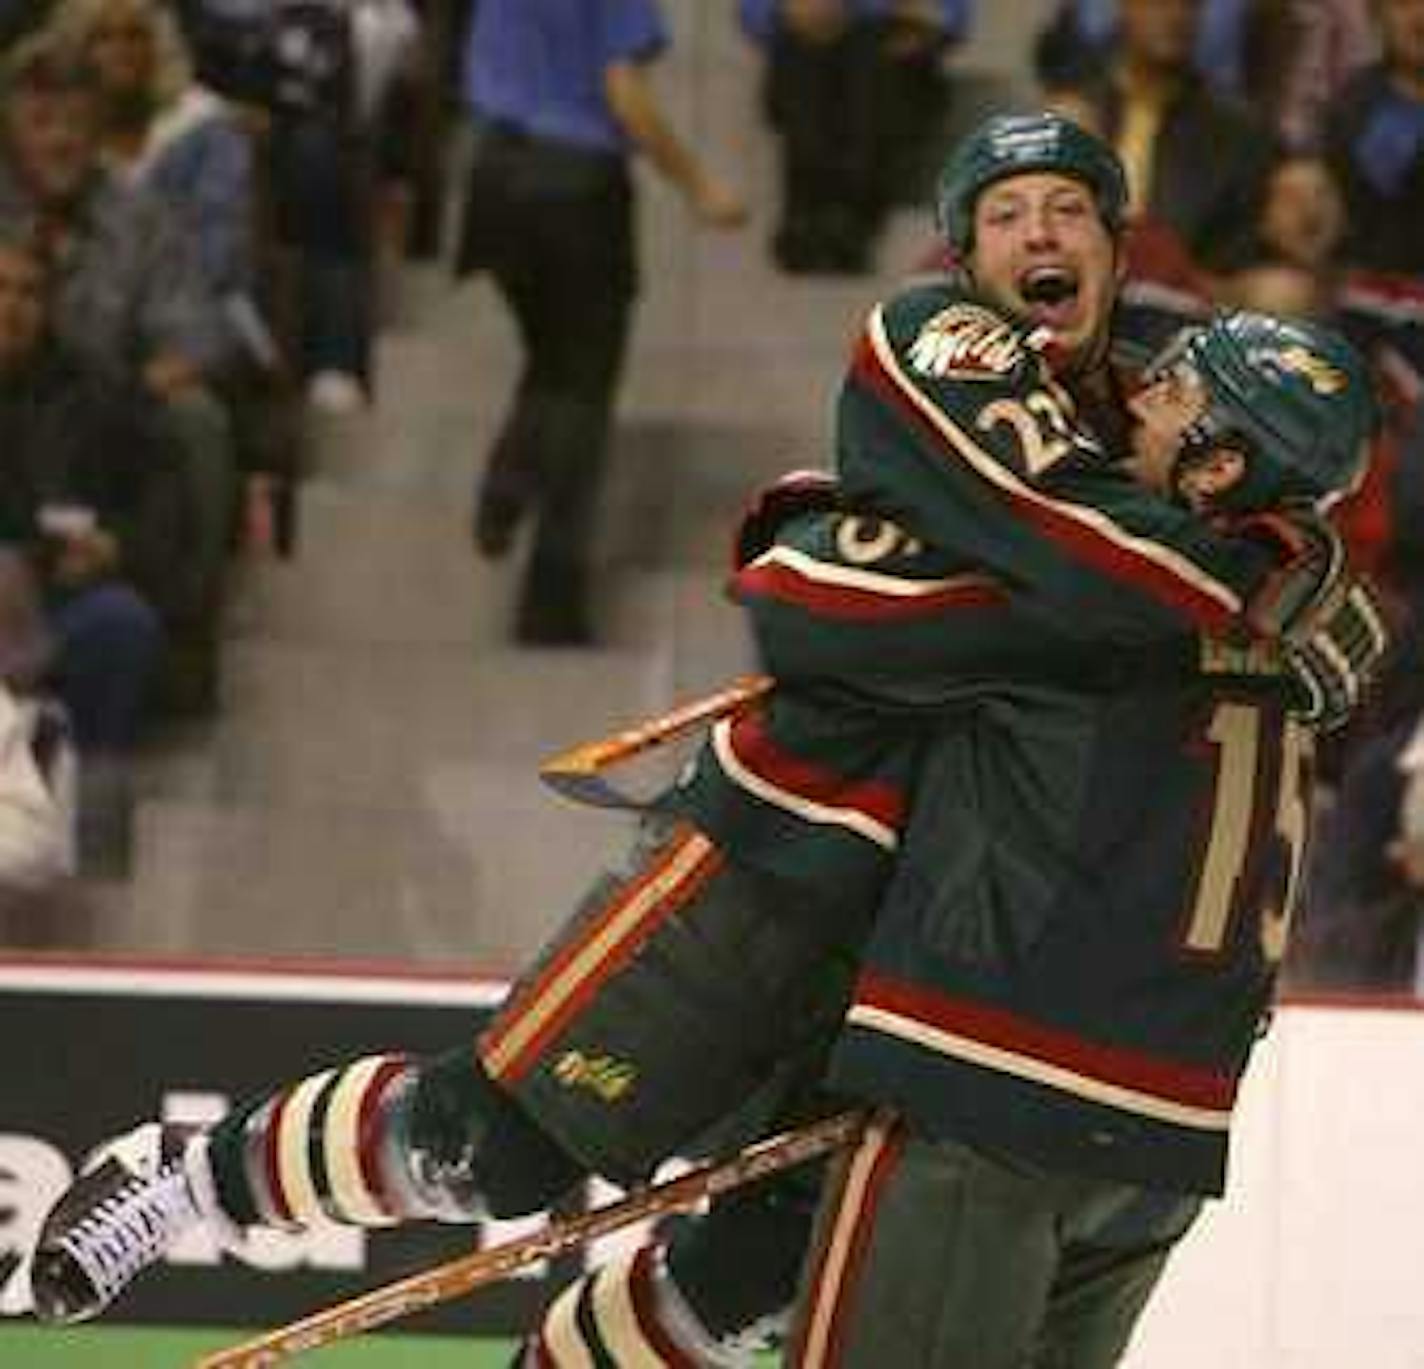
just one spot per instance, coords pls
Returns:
(124, 1211)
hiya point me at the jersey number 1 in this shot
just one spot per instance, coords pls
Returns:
(1237, 731)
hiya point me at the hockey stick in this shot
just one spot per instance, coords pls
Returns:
(457, 1277)
(577, 773)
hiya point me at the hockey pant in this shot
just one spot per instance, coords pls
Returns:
(683, 1004)
(930, 1253)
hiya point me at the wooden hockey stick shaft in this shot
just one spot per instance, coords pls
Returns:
(575, 773)
(457, 1277)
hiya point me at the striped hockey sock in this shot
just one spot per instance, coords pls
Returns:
(332, 1146)
(627, 1314)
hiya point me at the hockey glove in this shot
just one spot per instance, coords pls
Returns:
(1332, 658)
(795, 493)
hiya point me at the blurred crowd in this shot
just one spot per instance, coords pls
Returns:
(193, 202)
(197, 198)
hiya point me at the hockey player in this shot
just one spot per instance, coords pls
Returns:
(389, 1139)
(1022, 771)
(765, 770)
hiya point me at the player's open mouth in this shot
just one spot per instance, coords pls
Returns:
(1051, 295)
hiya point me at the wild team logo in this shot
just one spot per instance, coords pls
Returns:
(966, 342)
(1324, 378)
(604, 1075)
(1220, 657)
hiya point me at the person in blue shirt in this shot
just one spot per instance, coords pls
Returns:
(1081, 34)
(561, 102)
(854, 90)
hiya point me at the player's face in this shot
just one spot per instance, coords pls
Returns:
(1042, 250)
(1163, 411)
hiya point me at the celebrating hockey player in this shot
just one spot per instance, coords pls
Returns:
(718, 947)
(1035, 238)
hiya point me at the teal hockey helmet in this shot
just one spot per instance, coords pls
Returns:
(1296, 396)
(1014, 144)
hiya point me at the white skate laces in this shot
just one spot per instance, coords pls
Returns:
(117, 1219)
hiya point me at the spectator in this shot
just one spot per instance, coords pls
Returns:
(1150, 102)
(1296, 267)
(396, 104)
(853, 89)
(1374, 137)
(89, 493)
(1079, 39)
(335, 63)
(38, 900)
(1332, 40)
(561, 99)
(1284, 57)
(168, 135)
(1303, 218)
(163, 131)
(1361, 914)
(1292, 266)
(129, 295)
(322, 73)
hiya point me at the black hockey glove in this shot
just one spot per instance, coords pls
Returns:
(1329, 624)
(1333, 655)
(795, 493)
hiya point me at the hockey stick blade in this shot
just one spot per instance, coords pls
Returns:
(589, 788)
(457, 1277)
(577, 773)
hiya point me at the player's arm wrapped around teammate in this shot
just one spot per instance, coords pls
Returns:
(951, 424)
(850, 604)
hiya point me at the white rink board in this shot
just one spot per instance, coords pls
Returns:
(1315, 1258)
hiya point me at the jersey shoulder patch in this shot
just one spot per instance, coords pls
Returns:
(966, 341)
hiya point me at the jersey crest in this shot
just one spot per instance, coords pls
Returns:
(1321, 376)
(966, 342)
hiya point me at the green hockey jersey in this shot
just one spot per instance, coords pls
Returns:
(950, 421)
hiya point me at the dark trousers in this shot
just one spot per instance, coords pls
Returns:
(554, 226)
(109, 644)
(321, 180)
(851, 118)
